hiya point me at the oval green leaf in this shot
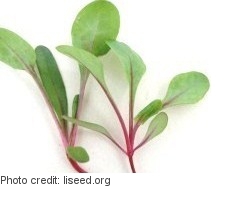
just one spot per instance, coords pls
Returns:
(132, 64)
(52, 81)
(87, 60)
(95, 24)
(157, 126)
(150, 110)
(78, 154)
(186, 88)
(15, 51)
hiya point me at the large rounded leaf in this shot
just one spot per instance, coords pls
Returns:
(95, 24)
(15, 51)
(186, 88)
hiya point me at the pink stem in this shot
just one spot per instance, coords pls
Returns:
(114, 142)
(63, 134)
(76, 166)
(131, 108)
(132, 164)
(123, 126)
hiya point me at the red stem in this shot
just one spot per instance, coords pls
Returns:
(130, 150)
(114, 142)
(76, 166)
(132, 164)
(131, 108)
(131, 123)
(63, 134)
(123, 126)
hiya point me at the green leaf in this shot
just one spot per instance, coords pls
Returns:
(75, 106)
(95, 24)
(93, 127)
(157, 126)
(88, 125)
(186, 88)
(78, 154)
(87, 60)
(52, 80)
(132, 63)
(15, 51)
(150, 110)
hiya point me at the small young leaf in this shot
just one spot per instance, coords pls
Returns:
(150, 110)
(52, 80)
(75, 106)
(96, 23)
(88, 125)
(186, 88)
(132, 63)
(93, 127)
(157, 126)
(78, 154)
(87, 60)
(15, 51)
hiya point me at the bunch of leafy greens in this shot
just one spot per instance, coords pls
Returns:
(94, 33)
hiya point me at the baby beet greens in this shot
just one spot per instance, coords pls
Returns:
(96, 23)
(41, 65)
(94, 33)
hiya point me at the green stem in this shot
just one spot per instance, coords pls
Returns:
(84, 74)
(74, 130)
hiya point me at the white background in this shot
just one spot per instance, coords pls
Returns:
(172, 37)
